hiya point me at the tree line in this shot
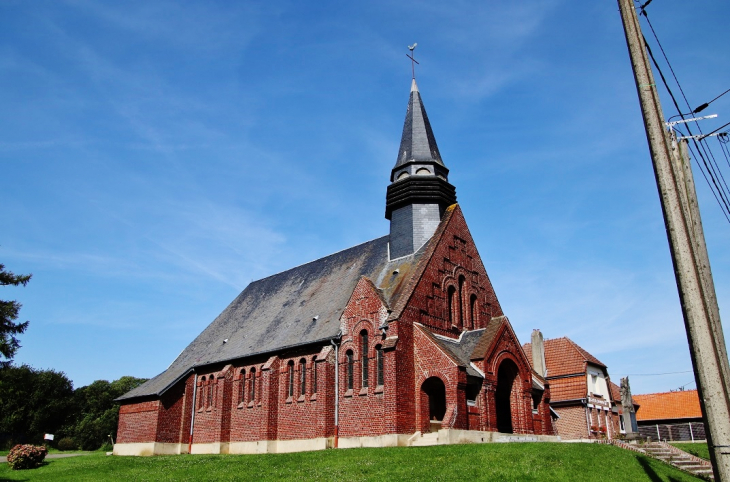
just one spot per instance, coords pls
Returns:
(35, 402)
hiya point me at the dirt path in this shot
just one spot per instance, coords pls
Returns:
(50, 456)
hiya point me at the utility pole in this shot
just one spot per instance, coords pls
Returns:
(689, 254)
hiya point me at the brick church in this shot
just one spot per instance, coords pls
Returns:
(396, 341)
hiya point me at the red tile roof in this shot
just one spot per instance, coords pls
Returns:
(564, 357)
(571, 388)
(615, 392)
(668, 405)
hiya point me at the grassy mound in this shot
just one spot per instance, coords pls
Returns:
(502, 462)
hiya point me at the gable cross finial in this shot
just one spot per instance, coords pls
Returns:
(413, 61)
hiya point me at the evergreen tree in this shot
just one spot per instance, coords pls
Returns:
(8, 314)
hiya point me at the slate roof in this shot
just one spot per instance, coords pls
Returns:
(278, 312)
(485, 342)
(668, 406)
(461, 349)
(417, 142)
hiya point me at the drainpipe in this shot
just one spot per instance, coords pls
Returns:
(192, 414)
(337, 390)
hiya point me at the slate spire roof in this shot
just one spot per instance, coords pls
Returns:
(417, 142)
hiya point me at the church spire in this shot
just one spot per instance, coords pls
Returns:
(419, 192)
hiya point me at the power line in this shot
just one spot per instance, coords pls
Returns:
(720, 192)
(707, 135)
(715, 168)
(655, 374)
(706, 104)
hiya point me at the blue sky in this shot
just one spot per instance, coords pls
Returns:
(158, 156)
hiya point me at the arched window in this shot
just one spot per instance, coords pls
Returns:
(252, 385)
(302, 376)
(314, 375)
(242, 392)
(462, 280)
(201, 393)
(350, 369)
(473, 311)
(364, 357)
(451, 294)
(291, 378)
(211, 401)
(379, 364)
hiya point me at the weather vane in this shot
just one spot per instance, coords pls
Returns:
(413, 61)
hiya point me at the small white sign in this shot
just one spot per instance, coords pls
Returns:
(48, 436)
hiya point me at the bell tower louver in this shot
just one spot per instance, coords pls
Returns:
(419, 191)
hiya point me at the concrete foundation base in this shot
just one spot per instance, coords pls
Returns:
(150, 448)
(442, 437)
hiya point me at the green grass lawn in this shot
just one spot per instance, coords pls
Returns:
(698, 449)
(502, 462)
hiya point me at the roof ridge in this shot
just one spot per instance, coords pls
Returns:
(317, 259)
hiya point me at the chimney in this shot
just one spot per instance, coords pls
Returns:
(538, 353)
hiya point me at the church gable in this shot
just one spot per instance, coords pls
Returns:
(366, 310)
(451, 290)
(497, 343)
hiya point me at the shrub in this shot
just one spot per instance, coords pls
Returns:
(67, 443)
(26, 456)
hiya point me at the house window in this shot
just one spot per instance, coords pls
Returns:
(379, 364)
(314, 375)
(451, 294)
(350, 367)
(252, 386)
(302, 376)
(291, 378)
(462, 280)
(472, 311)
(364, 357)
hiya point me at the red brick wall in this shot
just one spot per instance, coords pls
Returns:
(247, 414)
(169, 424)
(301, 415)
(455, 256)
(367, 411)
(506, 346)
(207, 411)
(138, 422)
(431, 361)
(572, 422)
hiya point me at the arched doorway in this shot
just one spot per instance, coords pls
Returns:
(506, 376)
(434, 391)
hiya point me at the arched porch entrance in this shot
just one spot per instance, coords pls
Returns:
(506, 377)
(433, 398)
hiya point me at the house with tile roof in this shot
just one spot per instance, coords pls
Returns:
(397, 341)
(581, 391)
(670, 415)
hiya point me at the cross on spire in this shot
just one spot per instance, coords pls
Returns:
(413, 61)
